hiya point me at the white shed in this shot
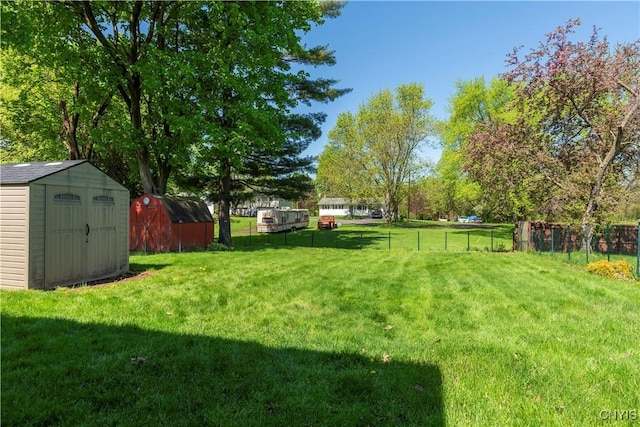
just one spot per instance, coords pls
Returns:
(61, 223)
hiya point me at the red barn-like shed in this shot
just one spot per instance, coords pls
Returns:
(169, 223)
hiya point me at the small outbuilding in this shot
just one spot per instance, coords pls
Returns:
(163, 223)
(61, 223)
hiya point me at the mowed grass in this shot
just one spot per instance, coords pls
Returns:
(324, 337)
(414, 235)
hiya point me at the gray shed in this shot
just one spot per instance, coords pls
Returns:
(61, 223)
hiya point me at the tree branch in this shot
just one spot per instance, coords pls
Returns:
(631, 113)
(626, 87)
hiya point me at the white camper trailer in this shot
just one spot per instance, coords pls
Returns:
(276, 220)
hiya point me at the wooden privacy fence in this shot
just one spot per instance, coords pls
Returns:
(545, 237)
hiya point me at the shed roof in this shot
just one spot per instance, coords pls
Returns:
(185, 209)
(24, 173)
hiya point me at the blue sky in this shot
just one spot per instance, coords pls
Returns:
(382, 44)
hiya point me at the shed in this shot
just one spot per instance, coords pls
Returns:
(163, 223)
(61, 223)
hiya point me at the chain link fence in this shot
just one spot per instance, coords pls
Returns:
(581, 244)
(470, 238)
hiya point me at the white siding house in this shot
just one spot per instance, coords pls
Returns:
(341, 207)
(61, 223)
(251, 208)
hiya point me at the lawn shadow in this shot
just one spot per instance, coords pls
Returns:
(60, 372)
(487, 232)
(143, 267)
(339, 238)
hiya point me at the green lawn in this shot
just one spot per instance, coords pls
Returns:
(293, 335)
(417, 235)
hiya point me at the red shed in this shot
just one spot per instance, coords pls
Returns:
(169, 223)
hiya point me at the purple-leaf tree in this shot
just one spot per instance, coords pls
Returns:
(586, 100)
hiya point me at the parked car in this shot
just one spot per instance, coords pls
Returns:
(463, 219)
(474, 219)
(327, 222)
(376, 214)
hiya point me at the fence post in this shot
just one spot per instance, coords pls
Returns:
(608, 240)
(540, 240)
(285, 237)
(569, 242)
(552, 240)
(418, 240)
(361, 240)
(249, 234)
(492, 240)
(389, 240)
(638, 255)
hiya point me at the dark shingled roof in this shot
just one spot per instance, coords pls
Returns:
(24, 173)
(185, 209)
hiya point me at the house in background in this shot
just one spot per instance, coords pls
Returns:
(251, 208)
(61, 223)
(338, 206)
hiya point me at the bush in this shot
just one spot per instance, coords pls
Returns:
(218, 247)
(617, 269)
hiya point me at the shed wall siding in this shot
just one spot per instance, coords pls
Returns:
(14, 243)
(84, 175)
(37, 232)
(122, 202)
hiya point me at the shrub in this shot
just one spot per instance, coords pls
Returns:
(617, 269)
(218, 247)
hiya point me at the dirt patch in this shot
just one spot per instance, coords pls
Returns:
(124, 277)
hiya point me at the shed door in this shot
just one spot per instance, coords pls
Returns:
(65, 235)
(81, 235)
(101, 239)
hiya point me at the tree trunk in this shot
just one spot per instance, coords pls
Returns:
(143, 156)
(70, 124)
(224, 217)
(144, 168)
(596, 189)
(164, 170)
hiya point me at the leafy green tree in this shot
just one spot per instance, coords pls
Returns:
(101, 50)
(284, 173)
(339, 171)
(205, 85)
(245, 106)
(475, 103)
(382, 140)
(55, 90)
(30, 125)
(49, 112)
